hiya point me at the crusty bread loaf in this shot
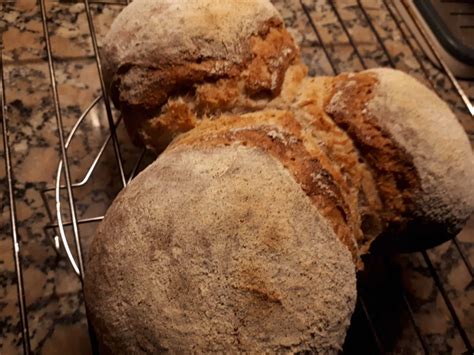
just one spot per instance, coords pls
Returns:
(402, 155)
(238, 238)
(218, 249)
(411, 190)
(418, 153)
(246, 233)
(169, 63)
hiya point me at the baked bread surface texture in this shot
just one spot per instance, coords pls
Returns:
(425, 127)
(306, 98)
(218, 249)
(246, 233)
(170, 63)
(418, 152)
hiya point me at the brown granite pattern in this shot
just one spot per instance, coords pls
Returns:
(55, 310)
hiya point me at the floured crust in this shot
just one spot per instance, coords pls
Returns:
(391, 164)
(306, 97)
(245, 234)
(239, 268)
(229, 55)
(425, 126)
(170, 33)
(279, 134)
(416, 149)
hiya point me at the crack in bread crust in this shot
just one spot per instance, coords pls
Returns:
(207, 86)
(305, 97)
(392, 166)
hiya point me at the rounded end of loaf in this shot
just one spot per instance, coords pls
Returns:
(424, 126)
(163, 33)
(198, 58)
(240, 268)
(416, 150)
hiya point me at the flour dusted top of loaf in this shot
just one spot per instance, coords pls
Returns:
(218, 250)
(166, 32)
(424, 125)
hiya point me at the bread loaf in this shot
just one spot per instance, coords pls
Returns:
(418, 152)
(170, 63)
(398, 144)
(242, 226)
(218, 249)
(246, 233)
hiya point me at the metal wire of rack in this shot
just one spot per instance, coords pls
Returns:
(56, 228)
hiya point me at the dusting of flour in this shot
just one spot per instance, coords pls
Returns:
(425, 126)
(176, 29)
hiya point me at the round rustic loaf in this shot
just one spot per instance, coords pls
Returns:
(419, 154)
(169, 63)
(218, 249)
(245, 234)
(401, 159)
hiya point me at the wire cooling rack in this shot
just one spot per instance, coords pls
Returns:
(365, 333)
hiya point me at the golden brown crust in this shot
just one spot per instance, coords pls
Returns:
(279, 134)
(163, 82)
(216, 97)
(357, 180)
(392, 167)
(210, 86)
(175, 118)
(305, 97)
(272, 54)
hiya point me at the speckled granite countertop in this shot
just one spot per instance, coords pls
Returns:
(56, 313)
